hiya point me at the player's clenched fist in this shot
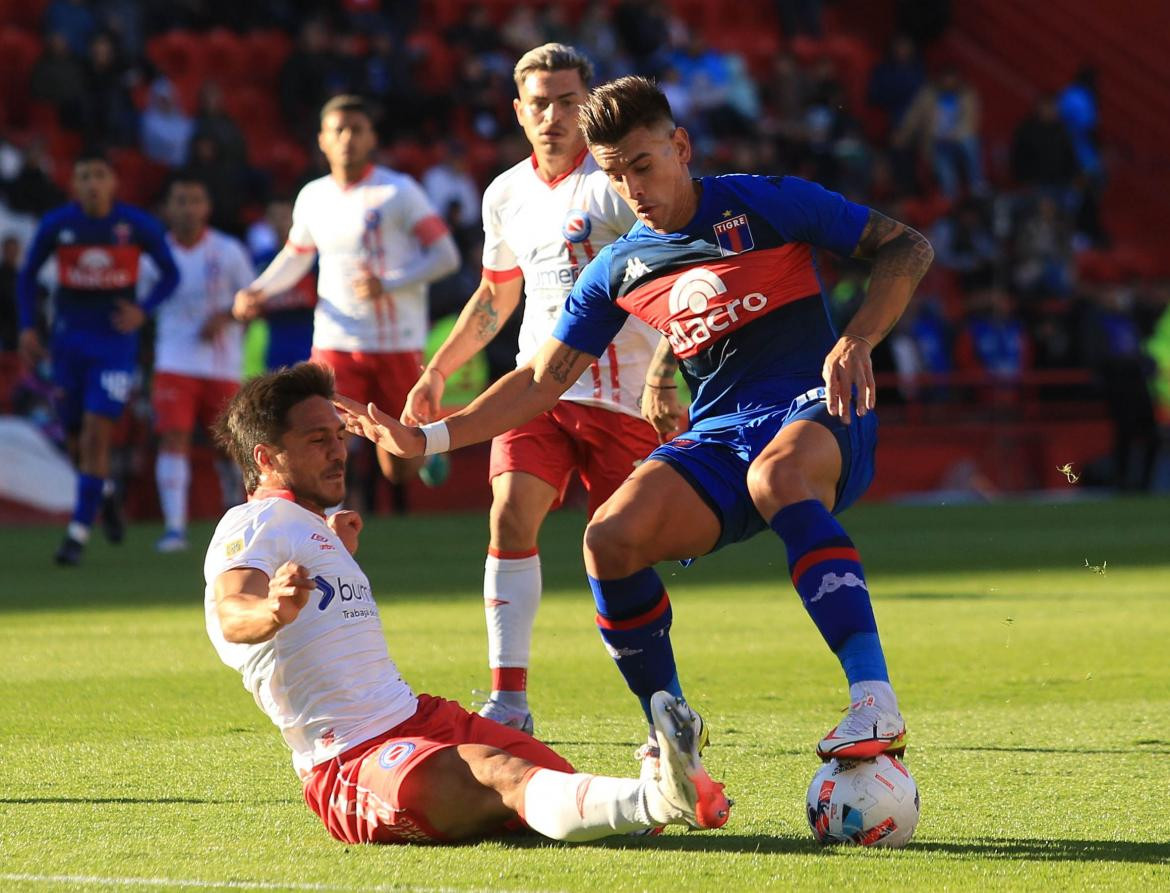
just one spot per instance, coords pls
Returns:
(346, 525)
(288, 592)
(247, 304)
(661, 408)
(384, 430)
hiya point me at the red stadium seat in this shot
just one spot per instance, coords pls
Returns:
(265, 53)
(19, 51)
(177, 54)
(225, 56)
(139, 179)
(284, 159)
(255, 111)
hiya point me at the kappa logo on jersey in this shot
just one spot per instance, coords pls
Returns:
(577, 226)
(734, 236)
(97, 267)
(694, 293)
(635, 269)
(830, 582)
(394, 753)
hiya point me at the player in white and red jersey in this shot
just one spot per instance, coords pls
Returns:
(289, 608)
(544, 220)
(379, 243)
(198, 354)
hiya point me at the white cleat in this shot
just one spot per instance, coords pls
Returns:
(172, 541)
(649, 754)
(503, 714)
(693, 798)
(866, 732)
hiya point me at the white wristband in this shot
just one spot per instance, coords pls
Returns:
(438, 438)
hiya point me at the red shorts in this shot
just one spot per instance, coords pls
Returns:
(601, 445)
(383, 379)
(180, 401)
(365, 795)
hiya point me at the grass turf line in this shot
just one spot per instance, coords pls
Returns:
(1034, 690)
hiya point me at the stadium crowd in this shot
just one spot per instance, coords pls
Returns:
(229, 94)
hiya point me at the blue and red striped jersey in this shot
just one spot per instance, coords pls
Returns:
(737, 292)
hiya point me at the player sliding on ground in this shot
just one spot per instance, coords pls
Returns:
(782, 429)
(289, 608)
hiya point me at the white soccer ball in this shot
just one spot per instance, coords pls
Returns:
(867, 802)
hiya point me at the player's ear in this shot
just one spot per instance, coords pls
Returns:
(682, 144)
(262, 454)
(516, 109)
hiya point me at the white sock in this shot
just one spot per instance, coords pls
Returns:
(511, 595)
(108, 488)
(581, 807)
(172, 472)
(883, 693)
(78, 531)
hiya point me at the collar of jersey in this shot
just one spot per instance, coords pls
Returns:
(552, 184)
(358, 182)
(274, 493)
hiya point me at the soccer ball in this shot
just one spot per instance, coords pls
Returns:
(867, 802)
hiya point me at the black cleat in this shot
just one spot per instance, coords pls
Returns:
(69, 552)
(113, 524)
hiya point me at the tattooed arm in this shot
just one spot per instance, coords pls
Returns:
(900, 257)
(514, 399)
(660, 405)
(483, 315)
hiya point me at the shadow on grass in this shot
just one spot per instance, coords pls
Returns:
(1024, 849)
(96, 801)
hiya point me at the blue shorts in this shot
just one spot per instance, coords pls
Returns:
(715, 461)
(93, 372)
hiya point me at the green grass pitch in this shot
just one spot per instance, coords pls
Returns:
(1036, 691)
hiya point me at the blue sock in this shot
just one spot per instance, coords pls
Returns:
(89, 499)
(633, 617)
(826, 571)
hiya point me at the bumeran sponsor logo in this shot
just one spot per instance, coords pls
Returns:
(692, 294)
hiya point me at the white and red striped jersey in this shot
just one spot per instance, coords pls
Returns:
(547, 232)
(210, 272)
(376, 224)
(326, 679)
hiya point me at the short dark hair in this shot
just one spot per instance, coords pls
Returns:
(347, 102)
(187, 178)
(258, 413)
(615, 109)
(93, 152)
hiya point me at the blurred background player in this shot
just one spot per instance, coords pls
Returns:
(198, 347)
(289, 314)
(380, 764)
(544, 219)
(96, 243)
(782, 434)
(379, 242)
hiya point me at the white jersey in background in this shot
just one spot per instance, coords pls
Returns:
(326, 679)
(548, 232)
(376, 224)
(210, 272)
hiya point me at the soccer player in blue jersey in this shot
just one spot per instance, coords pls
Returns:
(96, 243)
(782, 426)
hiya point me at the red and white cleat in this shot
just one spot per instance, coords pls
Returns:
(868, 731)
(693, 798)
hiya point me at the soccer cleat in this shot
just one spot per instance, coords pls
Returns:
(69, 552)
(435, 470)
(649, 754)
(172, 541)
(865, 733)
(113, 524)
(694, 798)
(503, 714)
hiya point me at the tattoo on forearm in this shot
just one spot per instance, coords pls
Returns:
(487, 318)
(907, 255)
(877, 229)
(664, 364)
(560, 367)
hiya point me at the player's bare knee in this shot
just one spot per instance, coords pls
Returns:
(775, 484)
(614, 547)
(512, 526)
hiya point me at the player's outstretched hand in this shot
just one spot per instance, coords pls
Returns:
(849, 366)
(661, 408)
(422, 403)
(384, 430)
(288, 591)
(247, 304)
(128, 317)
(346, 525)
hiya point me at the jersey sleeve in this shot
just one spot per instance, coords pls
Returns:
(42, 246)
(590, 319)
(500, 263)
(154, 244)
(419, 216)
(803, 211)
(300, 239)
(260, 541)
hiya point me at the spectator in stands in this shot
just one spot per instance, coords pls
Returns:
(475, 33)
(310, 75)
(109, 111)
(1113, 345)
(896, 80)
(166, 129)
(451, 189)
(642, 32)
(994, 340)
(964, 244)
(32, 190)
(225, 180)
(800, 18)
(9, 267)
(833, 146)
(1079, 112)
(943, 121)
(74, 20)
(1043, 251)
(213, 122)
(921, 345)
(521, 30)
(58, 78)
(1043, 155)
(598, 38)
